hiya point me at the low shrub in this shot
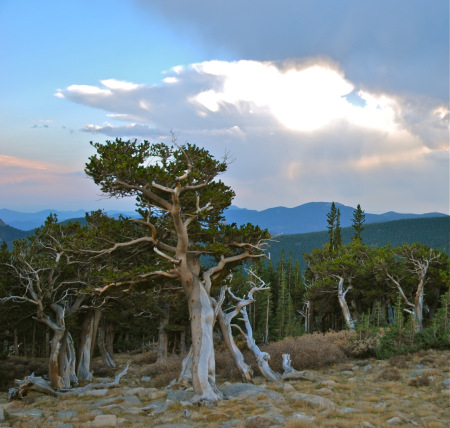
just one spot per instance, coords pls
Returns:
(390, 373)
(164, 372)
(399, 361)
(422, 380)
(307, 351)
(225, 366)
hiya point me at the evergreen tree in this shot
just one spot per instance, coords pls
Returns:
(338, 231)
(358, 221)
(334, 228)
(282, 306)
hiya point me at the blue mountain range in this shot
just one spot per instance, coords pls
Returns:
(310, 217)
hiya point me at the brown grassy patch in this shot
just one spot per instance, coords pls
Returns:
(309, 351)
(148, 357)
(225, 366)
(19, 367)
(390, 373)
(427, 360)
(399, 361)
(164, 372)
(422, 380)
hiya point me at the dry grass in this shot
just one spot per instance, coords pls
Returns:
(164, 372)
(18, 368)
(383, 391)
(307, 352)
(400, 361)
(422, 380)
(390, 373)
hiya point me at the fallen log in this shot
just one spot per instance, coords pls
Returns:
(31, 383)
(39, 384)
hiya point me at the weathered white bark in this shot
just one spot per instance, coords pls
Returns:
(71, 360)
(183, 347)
(185, 378)
(291, 373)
(225, 326)
(225, 319)
(84, 360)
(163, 340)
(38, 384)
(104, 341)
(203, 361)
(97, 318)
(58, 328)
(262, 358)
(287, 363)
(63, 362)
(306, 314)
(109, 339)
(344, 306)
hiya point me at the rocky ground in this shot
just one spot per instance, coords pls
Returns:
(411, 390)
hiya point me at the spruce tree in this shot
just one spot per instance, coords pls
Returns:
(338, 230)
(334, 228)
(358, 221)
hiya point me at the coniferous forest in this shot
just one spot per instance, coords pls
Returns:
(181, 278)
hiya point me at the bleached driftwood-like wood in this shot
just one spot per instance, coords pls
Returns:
(185, 379)
(225, 319)
(31, 383)
(261, 357)
(38, 384)
(291, 373)
(343, 302)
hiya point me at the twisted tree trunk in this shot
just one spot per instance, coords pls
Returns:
(225, 326)
(105, 340)
(203, 361)
(84, 359)
(344, 306)
(163, 340)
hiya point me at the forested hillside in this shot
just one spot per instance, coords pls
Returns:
(434, 232)
(8, 233)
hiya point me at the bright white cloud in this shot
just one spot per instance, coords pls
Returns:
(295, 130)
(305, 99)
(119, 85)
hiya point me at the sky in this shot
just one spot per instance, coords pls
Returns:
(322, 100)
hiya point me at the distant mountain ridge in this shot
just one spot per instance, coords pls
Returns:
(309, 217)
(29, 221)
(306, 218)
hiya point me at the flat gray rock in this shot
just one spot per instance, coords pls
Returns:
(314, 400)
(66, 415)
(132, 400)
(303, 374)
(394, 421)
(174, 426)
(420, 372)
(345, 410)
(179, 395)
(24, 413)
(104, 421)
(301, 417)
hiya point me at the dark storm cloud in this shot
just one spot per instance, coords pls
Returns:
(384, 45)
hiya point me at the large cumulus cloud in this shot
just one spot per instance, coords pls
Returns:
(299, 131)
